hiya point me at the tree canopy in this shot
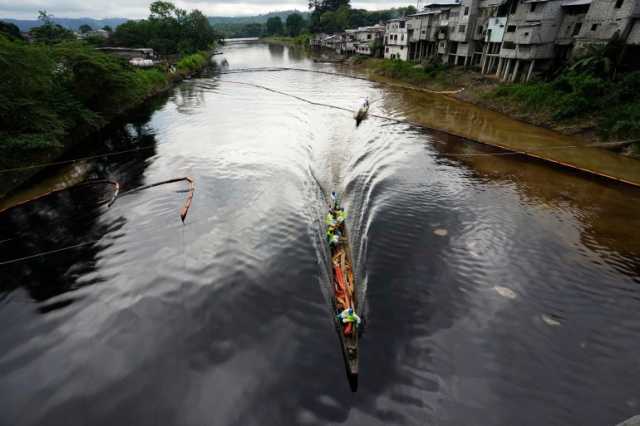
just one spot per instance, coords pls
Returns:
(84, 28)
(50, 32)
(9, 30)
(274, 26)
(168, 30)
(295, 24)
(331, 16)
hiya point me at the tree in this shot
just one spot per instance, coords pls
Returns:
(161, 10)
(50, 32)
(169, 30)
(295, 23)
(84, 28)
(107, 28)
(274, 26)
(251, 30)
(10, 30)
(320, 7)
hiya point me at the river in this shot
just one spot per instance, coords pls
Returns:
(497, 290)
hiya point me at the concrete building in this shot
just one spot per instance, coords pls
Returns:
(421, 35)
(606, 19)
(461, 27)
(573, 16)
(529, 39)
(395, 39)
(491, 22)
(346, 42)
(367, 38)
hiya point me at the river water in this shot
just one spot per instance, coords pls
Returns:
(497, 290)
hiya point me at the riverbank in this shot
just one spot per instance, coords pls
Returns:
(568, 105)
(302, 40)
(59, 96)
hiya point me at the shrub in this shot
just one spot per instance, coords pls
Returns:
(191, 63)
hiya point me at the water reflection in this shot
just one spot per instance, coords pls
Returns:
(67, 227)
(276, 51)
(494, 288)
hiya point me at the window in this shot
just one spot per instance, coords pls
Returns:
(576, 29)
(511, 29)
(462, 28)
(594, 27)
(619, 3)
(479, 29)
(368, 36)
(514, 6)
(402, 37)
(526, 34)
(533, 7)
(466, 11)
(508, 45)
(401, 24)
(387, 50)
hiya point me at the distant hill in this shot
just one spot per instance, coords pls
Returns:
(259, 19)
(75, 23)
(70, 23)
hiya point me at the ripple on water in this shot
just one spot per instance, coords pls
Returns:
(227, 317)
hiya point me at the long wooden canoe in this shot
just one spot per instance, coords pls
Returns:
(345, 297)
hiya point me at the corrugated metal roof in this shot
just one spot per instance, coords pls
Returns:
(443, 3)
(426, 12)
(568, 3)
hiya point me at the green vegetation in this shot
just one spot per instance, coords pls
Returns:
(295, 24)
(274, 26)
(233, 30)
(168, 30)
(47, 92)
(331, 16)
(50, 32)
(11, 31)
(59, 88)
(411, 73)
(303, 40)
(613, 105)
(191, 63)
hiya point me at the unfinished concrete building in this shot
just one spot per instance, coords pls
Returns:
(491, 23)
(421, 34)
(460, 41)
(573, 16)
(367, 38)
(395, 39)
(529, 39)
(607, 19)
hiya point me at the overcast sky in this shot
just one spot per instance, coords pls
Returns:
(28, 9)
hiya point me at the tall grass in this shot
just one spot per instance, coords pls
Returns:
(613, 105)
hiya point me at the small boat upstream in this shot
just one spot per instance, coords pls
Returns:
(345, 302)
(362, 113)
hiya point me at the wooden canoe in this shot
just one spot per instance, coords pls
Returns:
(345, 296)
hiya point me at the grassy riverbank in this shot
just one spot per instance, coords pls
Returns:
(52, 97)
(303, 40)
(576, 103)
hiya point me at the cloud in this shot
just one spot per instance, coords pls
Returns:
(136, 9)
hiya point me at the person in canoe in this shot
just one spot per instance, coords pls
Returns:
(343, 280)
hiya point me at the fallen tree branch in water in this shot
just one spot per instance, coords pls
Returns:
(115, 184)
(187, 203)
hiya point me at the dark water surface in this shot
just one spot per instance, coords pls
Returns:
(498, 291)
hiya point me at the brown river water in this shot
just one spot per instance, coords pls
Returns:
(497, 290)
